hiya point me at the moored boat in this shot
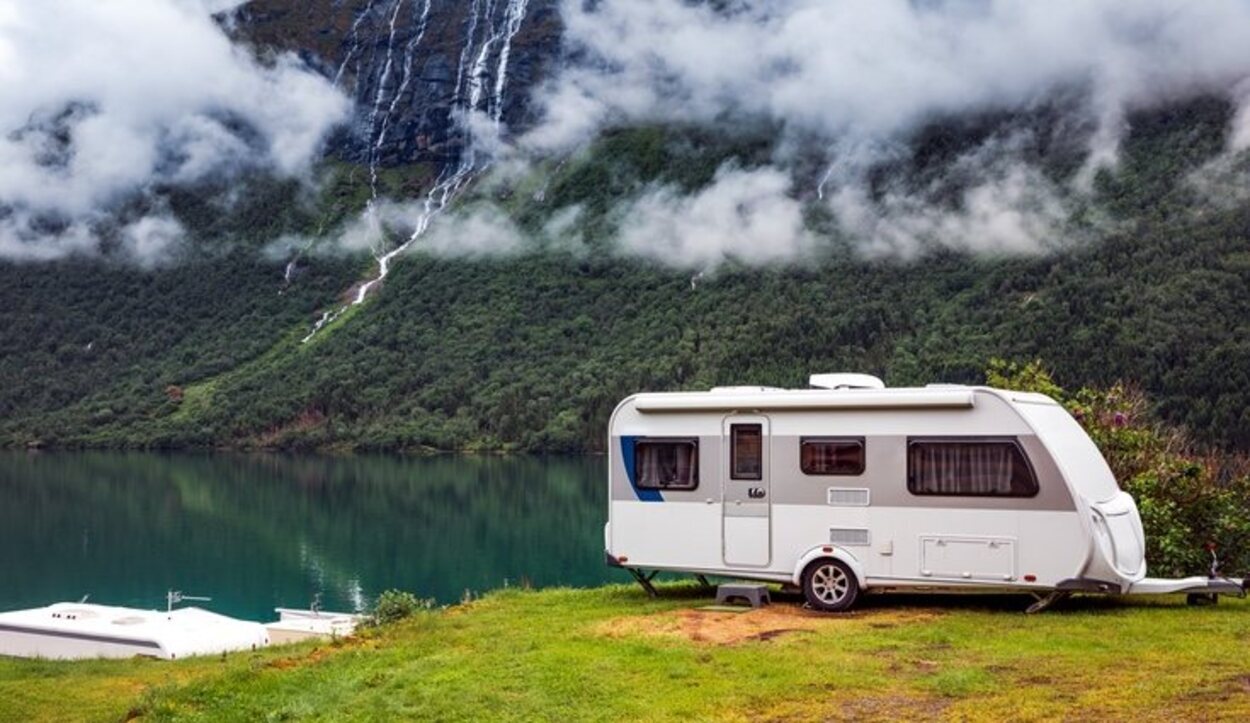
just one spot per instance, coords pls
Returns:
(72, 631)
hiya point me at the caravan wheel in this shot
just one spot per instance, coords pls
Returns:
(829, 585)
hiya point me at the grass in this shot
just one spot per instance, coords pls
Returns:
(611, 654)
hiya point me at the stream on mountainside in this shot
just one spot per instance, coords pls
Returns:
(259, 531)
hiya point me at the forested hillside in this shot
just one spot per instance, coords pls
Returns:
(531, 349)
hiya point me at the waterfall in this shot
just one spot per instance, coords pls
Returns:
(472, 68)
(375, 145)
(479, 65)
(824, 180)
(409, 51)
(470, 36)
(512, 25)
(353, 37)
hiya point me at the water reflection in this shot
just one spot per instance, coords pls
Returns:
(259, 531)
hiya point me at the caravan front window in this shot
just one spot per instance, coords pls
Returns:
(971, 467)
(667, 464)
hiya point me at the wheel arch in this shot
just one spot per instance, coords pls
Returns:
(832, 552)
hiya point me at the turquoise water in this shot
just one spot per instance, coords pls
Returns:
(259, 531)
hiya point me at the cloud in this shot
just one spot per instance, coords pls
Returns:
(985, 201)
(744, 215)
(855, 81)
(849, 68)
(480, 230)
(101, 101)
(152, 239)
(1015, 211)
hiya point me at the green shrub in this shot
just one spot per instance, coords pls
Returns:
(395, 605)
(1189, 496)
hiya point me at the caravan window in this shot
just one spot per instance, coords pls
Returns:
(973, 467)
(667, 464)
(746, 451)
(831, 455)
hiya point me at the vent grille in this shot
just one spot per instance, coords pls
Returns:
(851, 536)
(848, 496)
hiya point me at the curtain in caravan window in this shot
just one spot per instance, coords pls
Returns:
(667, 464)
(831, 455)
(973, 468)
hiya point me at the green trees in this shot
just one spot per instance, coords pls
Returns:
(532, 351)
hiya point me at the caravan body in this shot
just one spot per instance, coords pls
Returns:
(852, 486)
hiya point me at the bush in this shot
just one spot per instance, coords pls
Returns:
(1189, 496)
(395, 605)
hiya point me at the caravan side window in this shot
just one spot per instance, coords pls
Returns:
(667, 464)
(831, 455)
(970, 467)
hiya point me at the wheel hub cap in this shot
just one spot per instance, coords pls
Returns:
(830, 584)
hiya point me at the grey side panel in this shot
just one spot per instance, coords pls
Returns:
(885, 476)
(885, 473)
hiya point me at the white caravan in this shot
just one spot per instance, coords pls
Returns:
(851, 487)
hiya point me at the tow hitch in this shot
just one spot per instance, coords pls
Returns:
(1199, 590)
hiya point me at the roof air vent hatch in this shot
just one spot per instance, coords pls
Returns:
(845, 381)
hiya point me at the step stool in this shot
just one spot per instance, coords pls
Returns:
(754, 595)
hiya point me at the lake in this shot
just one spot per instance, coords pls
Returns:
(259, 531)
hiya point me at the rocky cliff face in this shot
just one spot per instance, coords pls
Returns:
(414, 67)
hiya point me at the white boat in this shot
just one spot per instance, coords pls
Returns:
(73, 631)
(296, 625)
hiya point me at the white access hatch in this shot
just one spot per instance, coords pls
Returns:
(968, 558)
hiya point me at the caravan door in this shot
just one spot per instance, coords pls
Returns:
(746, 496)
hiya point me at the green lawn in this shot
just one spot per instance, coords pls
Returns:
(612, 654)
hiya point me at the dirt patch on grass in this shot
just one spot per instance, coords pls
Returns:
(891, 708)
(833, 707)
(319, 653)
(715, 627)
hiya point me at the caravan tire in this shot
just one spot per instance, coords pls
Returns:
(830, 585)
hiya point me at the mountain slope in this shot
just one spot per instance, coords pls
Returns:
(532, 351)
(1140, 272)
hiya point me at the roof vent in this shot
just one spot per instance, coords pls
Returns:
(846, 381)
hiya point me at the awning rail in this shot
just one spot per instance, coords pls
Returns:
(813, 400)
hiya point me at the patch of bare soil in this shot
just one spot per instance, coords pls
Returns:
(319, 653)
(891, 707)
(763, 624)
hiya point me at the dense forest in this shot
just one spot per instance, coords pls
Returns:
(532, 350)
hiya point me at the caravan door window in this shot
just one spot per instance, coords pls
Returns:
(746, 444)
(667, 464)
(970, 467)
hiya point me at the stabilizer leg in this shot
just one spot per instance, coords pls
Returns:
(645, 581)
(1045, 601)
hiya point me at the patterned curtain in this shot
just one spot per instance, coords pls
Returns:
(944, 468)
(665, 464)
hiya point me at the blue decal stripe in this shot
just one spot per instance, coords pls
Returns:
(631, 471)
